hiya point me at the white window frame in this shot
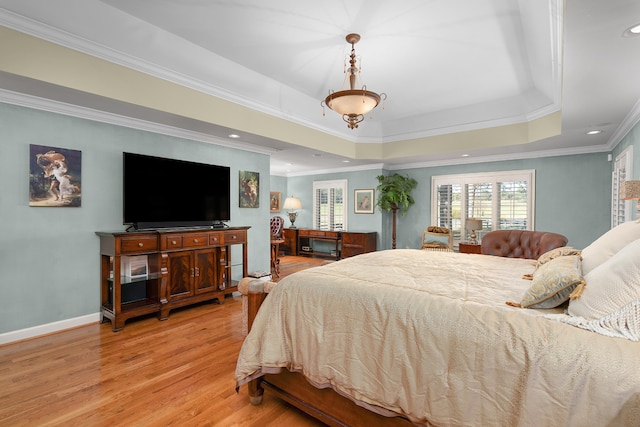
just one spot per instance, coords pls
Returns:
(337, 183)
(494, 178)
(621, 210)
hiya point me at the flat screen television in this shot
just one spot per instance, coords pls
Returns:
(166, 193)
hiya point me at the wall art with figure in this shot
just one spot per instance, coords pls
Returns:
(249, 189)
(54, 176)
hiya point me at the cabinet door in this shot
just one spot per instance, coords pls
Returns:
(206, 266)
(181, 275)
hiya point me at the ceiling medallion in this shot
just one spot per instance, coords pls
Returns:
(351, 102)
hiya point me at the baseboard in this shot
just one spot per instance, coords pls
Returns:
(35, 331)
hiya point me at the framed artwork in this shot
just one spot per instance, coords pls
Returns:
(363, 200)
(54, 176)
(274, 201)
(249, 189)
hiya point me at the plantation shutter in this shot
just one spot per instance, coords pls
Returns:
(502, 201)
(622, 171)
(329, 205)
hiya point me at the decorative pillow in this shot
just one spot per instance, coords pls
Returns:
(610, 286)
(609, 244)
(555, 253)
(610, 301)
(553, 282)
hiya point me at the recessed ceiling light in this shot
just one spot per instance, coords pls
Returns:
(465, 155)
(234, 135)
(632, 31)
(594, 132)
(346, 161)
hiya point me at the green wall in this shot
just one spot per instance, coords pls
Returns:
(49, 260)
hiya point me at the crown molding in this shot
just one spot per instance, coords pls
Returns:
(43, 104)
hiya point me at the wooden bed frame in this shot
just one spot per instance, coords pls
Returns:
(325, 405)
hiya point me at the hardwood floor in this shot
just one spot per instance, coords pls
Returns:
(152, 373)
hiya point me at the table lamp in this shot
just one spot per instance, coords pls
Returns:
(291, 204)
(473, 224)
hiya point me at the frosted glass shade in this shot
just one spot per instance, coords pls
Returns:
(353, 102)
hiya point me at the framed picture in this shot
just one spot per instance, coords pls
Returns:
(54, 176)
(363, 201)
(274, 201)
(249, 189)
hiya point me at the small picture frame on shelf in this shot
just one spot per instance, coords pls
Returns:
(363, 200)
(135, 267)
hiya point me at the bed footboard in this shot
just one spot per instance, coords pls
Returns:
(323, 404)
(256, 296)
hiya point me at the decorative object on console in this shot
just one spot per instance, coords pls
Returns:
(363, 201)
(291, 204)
(630, 190)
(354, 101)
(54, 176)
(249, 189)
(473, 224)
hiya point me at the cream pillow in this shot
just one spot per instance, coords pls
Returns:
(610, 301)
(610, 286)
(609, 244)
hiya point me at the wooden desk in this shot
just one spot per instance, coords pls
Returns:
(344, 244)
(290, 245)
(306, 237)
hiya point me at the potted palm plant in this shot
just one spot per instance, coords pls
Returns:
(394, 192)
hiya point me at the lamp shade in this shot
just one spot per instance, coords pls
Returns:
(356, 102)
(292, 203)
(630, 190)
(473, 224)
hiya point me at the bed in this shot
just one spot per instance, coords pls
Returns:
(411, 337)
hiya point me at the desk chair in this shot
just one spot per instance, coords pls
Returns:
(277, 237)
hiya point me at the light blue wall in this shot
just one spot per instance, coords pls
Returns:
(302, 187)
(49, 259)
(632, 138)
(573, 197)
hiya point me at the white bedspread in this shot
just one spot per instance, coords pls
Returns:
(428, 335)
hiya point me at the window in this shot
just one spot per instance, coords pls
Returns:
(622, 171)
(329, 205)
(502, 200)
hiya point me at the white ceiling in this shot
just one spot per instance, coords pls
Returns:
(449, 69)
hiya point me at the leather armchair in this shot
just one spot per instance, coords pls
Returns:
(520, 243)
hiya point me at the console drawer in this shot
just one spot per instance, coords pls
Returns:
(138, 244)
(195, 240)
(232, 237)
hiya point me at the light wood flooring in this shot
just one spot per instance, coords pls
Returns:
(178, 372)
